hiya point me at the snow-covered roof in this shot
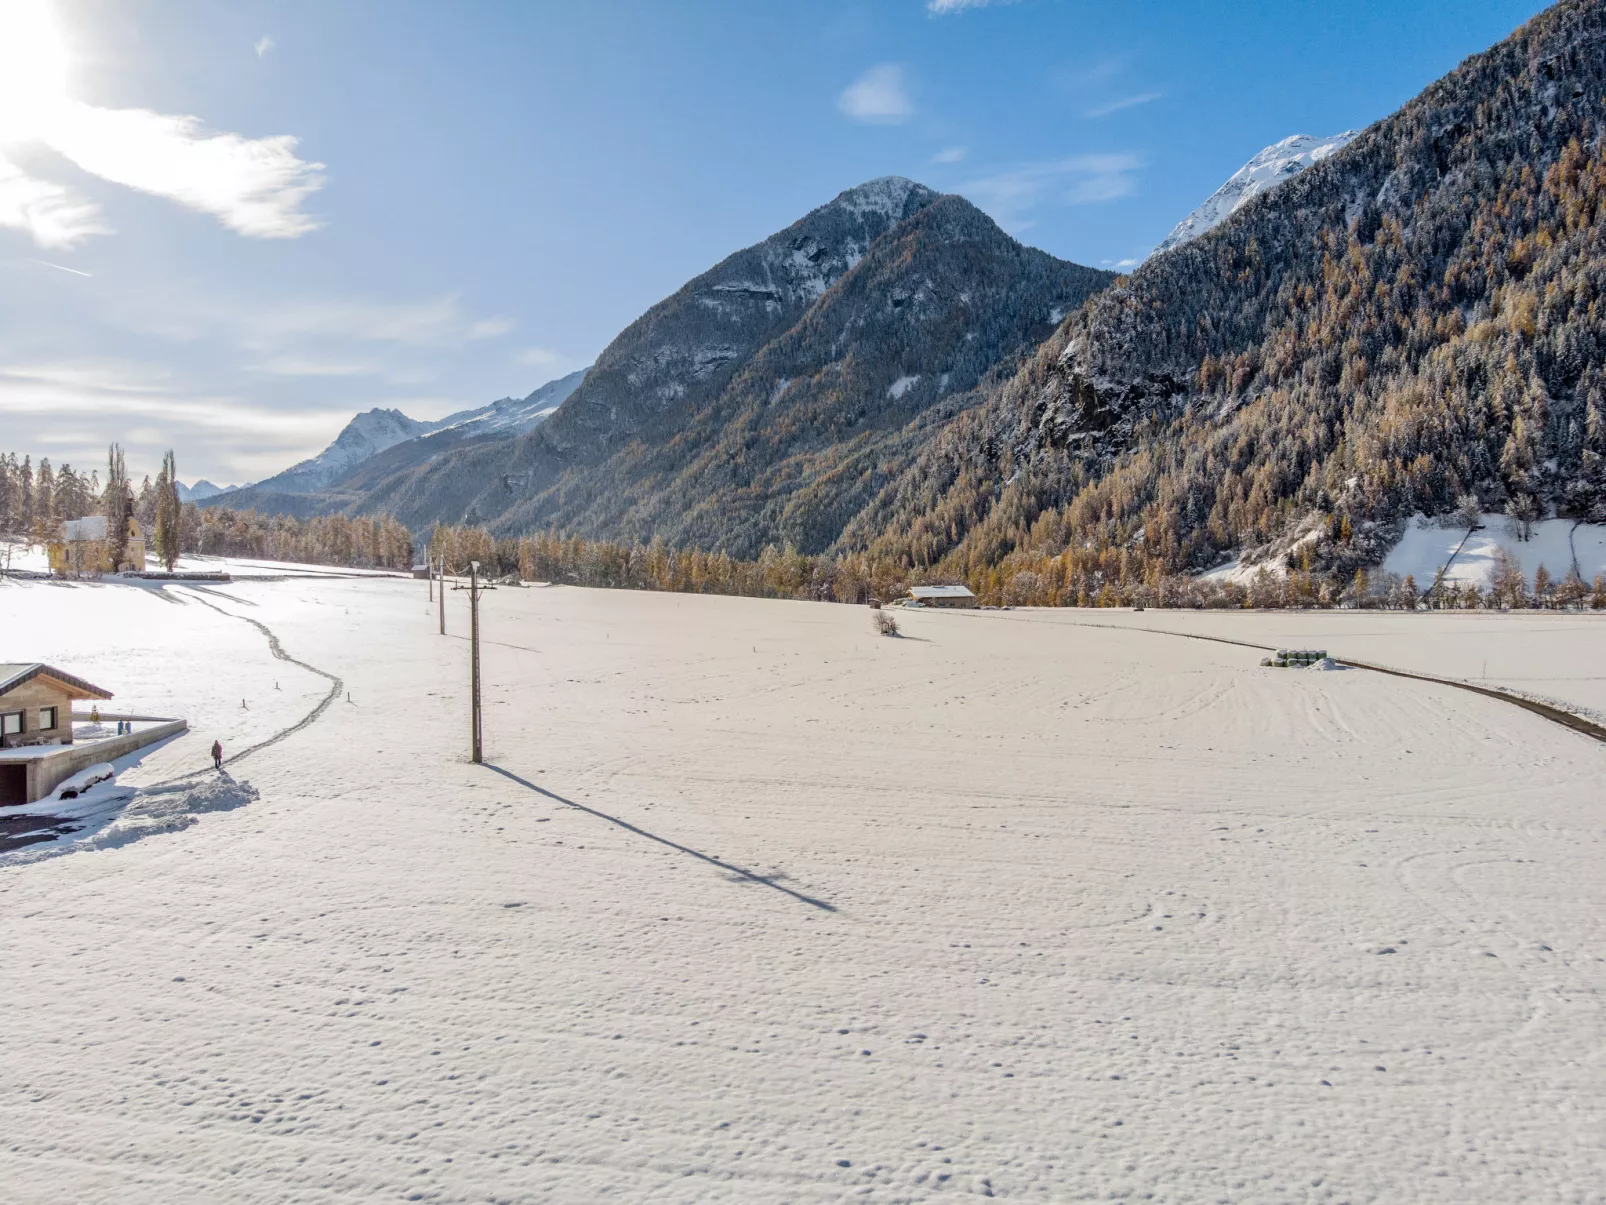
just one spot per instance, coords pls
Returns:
(14, 674)
(941, 592)
(91, 527)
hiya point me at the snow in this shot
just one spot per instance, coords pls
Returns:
(32, 558)
(887, 196)
(364, 437)
(514, 415)
(902, 386)
(1266, 170)
(1557, 544)
(753, 905)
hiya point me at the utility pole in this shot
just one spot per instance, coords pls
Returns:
(474, 644)
(443, 594)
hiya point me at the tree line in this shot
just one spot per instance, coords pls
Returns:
(1078, 577)
(36, 500)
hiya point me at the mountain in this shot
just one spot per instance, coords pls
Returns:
(1266, 170)
(514, 415)
(365, 435)
(329, 480)
(202, 490)
(771, 397)
(1411, 323)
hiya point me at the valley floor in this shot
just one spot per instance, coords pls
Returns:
(752, 905)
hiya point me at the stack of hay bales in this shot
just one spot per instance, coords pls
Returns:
(1295, 658)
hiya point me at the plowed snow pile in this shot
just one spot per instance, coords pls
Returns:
(754, 905)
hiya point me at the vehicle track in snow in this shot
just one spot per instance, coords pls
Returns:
(277, 649)
(1557, 715)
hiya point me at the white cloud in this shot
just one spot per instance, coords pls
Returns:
(878, 97)
(1078, 180)
(938, 8)
(263, 45)
(1124, 102)
(541, 357)
(76, 408)
(952, 154)
(51, 214)
(254, 186)
(438, 322)
(291, 364)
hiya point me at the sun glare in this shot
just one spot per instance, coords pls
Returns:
(34, 64)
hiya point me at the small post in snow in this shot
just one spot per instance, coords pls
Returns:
(443, 594)
(474, 654)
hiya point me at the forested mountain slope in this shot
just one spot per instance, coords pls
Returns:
(770, 398)
(1415, 319)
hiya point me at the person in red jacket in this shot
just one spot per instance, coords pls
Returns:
(217, 755)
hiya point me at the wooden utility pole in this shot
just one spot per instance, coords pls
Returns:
(474, 645)
(443, 594)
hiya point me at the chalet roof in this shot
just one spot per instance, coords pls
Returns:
(941, 592)
(14, 674)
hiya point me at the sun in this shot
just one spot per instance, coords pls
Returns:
(34, 67)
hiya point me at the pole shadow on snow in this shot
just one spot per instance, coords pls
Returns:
(745, 875)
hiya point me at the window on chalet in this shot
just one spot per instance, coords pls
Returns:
(47, 718)
(11, 723)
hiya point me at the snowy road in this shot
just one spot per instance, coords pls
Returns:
(753, 905)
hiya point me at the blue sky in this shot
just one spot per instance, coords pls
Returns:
(479, 196)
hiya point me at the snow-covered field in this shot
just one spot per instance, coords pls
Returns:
(752, 905)
(32, 558)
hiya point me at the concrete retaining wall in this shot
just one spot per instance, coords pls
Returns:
(50, 770)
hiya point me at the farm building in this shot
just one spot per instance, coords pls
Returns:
(942, 596)
(82, 547)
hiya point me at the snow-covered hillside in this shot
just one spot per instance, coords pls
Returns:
(511, 415)
(1470, 558)
(1266, 170)
(364, 436)
(376, 431)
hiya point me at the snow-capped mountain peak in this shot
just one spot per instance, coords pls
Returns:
(887, 195)
(1266, 170)
(514, 415)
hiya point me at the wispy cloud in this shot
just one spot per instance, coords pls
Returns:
(254, 186)
(952, 154)
(1123, 102)
(53, 215)
(437, 322)
(938, 8)
(1010, 195)
(541, 357)
(292, 364)
(263, 45)
(878, 97)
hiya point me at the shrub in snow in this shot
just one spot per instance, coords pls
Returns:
(884, 623)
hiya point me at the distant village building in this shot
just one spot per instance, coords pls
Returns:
(37, 749)
(942, 596)
(82, 548)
